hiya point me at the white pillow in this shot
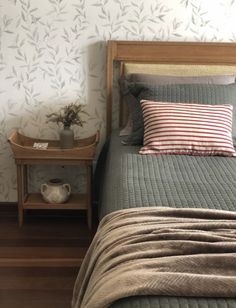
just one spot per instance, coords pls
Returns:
(182, 128)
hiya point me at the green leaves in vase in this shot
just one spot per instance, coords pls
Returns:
(68, 115)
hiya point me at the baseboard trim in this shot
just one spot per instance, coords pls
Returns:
(8, 205)
(45, 262)
(12, 207)
(8, 208)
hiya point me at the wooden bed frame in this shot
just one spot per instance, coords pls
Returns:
(164, 53)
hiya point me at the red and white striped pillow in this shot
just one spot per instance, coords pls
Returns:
(181, 128)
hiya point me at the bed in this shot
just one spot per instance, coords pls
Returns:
(182, 184)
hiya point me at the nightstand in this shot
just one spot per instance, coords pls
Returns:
(25, 154)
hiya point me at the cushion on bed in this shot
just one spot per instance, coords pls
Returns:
(168, 79)
(185, 93)
(193, 129)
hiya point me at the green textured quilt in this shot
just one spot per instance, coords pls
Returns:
(167, 180)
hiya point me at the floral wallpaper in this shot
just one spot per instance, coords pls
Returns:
(53, 52)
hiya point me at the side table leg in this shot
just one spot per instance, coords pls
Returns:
(89, 192)
(20, 190)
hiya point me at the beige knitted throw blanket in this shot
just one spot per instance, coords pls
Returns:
(159, 251)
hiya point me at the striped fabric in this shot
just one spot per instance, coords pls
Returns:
(181, 128)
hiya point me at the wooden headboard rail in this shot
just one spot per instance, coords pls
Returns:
(164, 52)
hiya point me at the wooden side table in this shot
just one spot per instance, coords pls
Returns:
(25, 154)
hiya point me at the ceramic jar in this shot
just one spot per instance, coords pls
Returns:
(55, 191)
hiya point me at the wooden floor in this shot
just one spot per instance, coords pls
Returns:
(39, 262)
(36, 287)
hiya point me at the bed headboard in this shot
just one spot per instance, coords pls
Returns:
(218, 58)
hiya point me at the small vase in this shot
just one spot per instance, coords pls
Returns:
(67, 138)
(55, 191)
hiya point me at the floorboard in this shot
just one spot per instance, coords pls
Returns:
(39, 262)
(36, 288)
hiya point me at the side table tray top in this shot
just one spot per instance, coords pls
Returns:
(22, 147)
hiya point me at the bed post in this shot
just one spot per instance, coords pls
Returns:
(111, 52)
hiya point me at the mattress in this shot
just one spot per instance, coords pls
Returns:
(134, 180)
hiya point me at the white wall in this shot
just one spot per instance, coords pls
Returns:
(53, 52)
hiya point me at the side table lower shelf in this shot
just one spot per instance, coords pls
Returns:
(34, 201)
(76, 202)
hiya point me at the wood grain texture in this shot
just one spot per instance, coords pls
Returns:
(36, 288)
(174, 52)
(23, 148)
(40, 261)
(44, 240)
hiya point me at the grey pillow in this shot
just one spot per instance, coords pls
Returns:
(167, 79)
(188, 93)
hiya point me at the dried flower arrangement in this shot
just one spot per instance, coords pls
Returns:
(68, 115)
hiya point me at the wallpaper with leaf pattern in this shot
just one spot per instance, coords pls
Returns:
(53, 52)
